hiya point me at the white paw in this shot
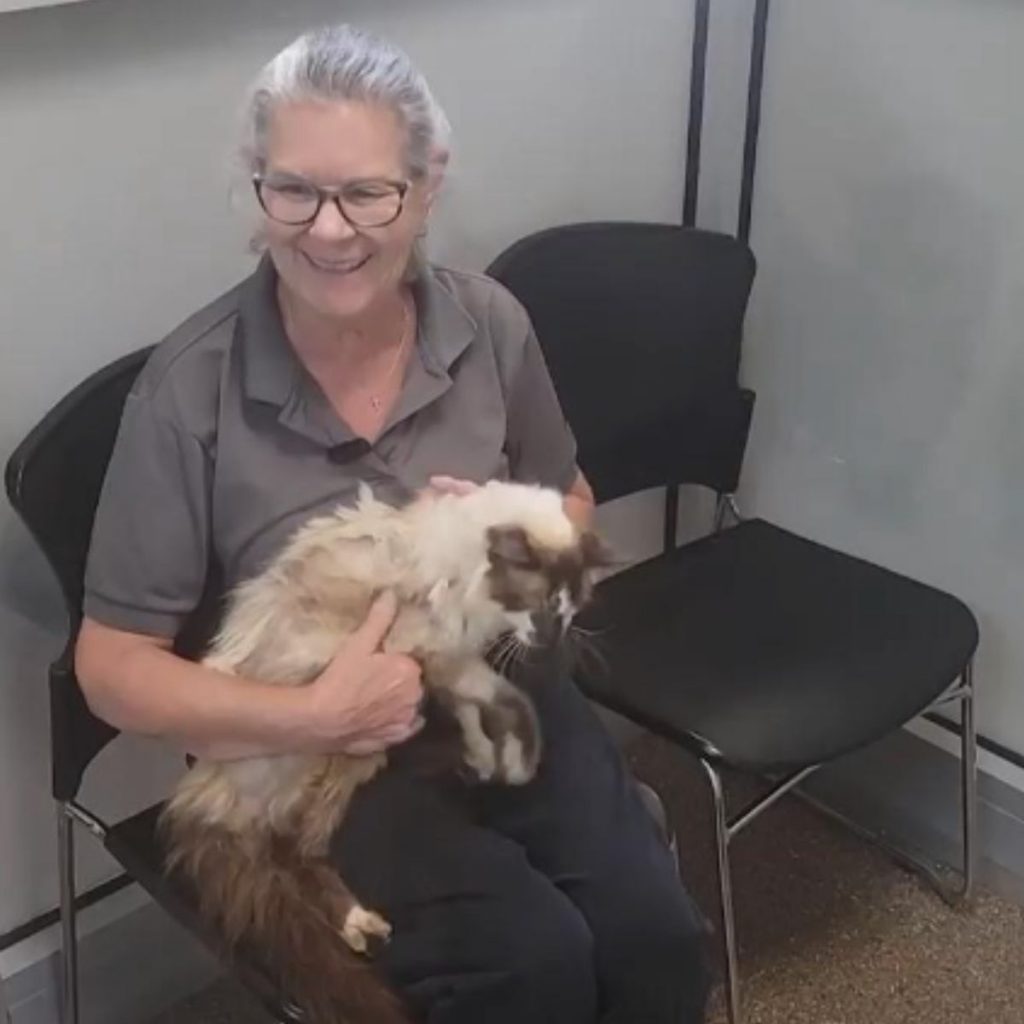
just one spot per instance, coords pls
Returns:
(481, 759)
(515, 769)
(362, 926)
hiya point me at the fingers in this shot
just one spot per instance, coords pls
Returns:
(379, 619)
(452, 485)
(383, 738)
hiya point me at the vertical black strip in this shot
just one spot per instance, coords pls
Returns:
(694, 131)
(671, 516)
(698, 65)
(753, 127)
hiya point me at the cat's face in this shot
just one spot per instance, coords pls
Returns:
(540, 587)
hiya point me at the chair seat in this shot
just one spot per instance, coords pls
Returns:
(767, 651)
(135, 844)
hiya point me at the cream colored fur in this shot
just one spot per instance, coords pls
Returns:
(284, 626)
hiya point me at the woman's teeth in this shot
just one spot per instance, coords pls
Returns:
(337, 266)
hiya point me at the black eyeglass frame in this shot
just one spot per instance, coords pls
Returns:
(336, 195)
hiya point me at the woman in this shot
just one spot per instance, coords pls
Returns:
(346, 358)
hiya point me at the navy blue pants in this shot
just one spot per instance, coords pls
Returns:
(552, 903)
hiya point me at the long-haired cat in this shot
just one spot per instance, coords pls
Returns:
(252, 835)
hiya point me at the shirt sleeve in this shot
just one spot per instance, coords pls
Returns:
(149, 553)
(539, 441)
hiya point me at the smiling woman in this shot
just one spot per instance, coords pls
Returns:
(346, 359)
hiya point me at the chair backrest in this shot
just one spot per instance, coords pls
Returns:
(641, 326)
(53, 481)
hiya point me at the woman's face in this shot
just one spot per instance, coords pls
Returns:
(338, 270)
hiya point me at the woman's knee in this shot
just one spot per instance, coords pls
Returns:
(547, 952)
(519, 952)
(662, 937)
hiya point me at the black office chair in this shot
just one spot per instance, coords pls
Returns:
(53, 481)
(752, 648)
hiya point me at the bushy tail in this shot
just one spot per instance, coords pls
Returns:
(258, 894)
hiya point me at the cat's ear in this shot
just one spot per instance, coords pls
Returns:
(596, 554)
(510, 545)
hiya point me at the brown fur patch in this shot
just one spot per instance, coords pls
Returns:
(258, 892)
(524, 573)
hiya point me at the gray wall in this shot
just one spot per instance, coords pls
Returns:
(116, 120)
(886, 337)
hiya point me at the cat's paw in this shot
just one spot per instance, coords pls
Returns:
(517, 767)
(365, 930)
(481, 760)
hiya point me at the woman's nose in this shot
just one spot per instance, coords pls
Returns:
(330, 225)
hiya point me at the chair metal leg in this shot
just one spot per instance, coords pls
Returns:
(722, 837)
(68, 922)
(936, 875)
(968, 782)
(726, 507)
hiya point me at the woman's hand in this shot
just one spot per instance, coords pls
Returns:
(365, 700)
(452, 485)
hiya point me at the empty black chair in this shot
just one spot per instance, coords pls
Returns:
(53, 481)
(752, 647)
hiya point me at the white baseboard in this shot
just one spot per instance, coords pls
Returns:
(908, 787)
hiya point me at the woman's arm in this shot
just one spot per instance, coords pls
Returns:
(579, 502)
(363, 701)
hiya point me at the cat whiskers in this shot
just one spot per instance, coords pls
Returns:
(508, 651)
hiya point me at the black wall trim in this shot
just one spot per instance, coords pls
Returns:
(752, 130)
(695, 123)
(51, 917)
(993, 747)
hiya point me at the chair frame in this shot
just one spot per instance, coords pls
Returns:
(727, 828)
(69, 814)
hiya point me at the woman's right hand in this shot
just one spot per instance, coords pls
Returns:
(366, 700)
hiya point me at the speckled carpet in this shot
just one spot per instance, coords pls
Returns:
(831, 932)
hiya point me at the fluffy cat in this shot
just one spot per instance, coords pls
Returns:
(252, 835)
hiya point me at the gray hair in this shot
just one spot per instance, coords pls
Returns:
(345, 63)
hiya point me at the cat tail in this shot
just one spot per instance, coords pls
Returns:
(261, 896)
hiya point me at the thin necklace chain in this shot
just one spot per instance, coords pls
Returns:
(376, 399)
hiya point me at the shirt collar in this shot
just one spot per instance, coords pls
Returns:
(271, 371)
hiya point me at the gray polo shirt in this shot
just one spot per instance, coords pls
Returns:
(227, 444)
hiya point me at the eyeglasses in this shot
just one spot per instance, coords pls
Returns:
(365, 203)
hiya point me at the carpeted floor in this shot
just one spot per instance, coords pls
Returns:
(831, 931)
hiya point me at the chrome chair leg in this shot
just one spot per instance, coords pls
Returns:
(732, 981)
(68, 922)
(726, 508)
(968, 783)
